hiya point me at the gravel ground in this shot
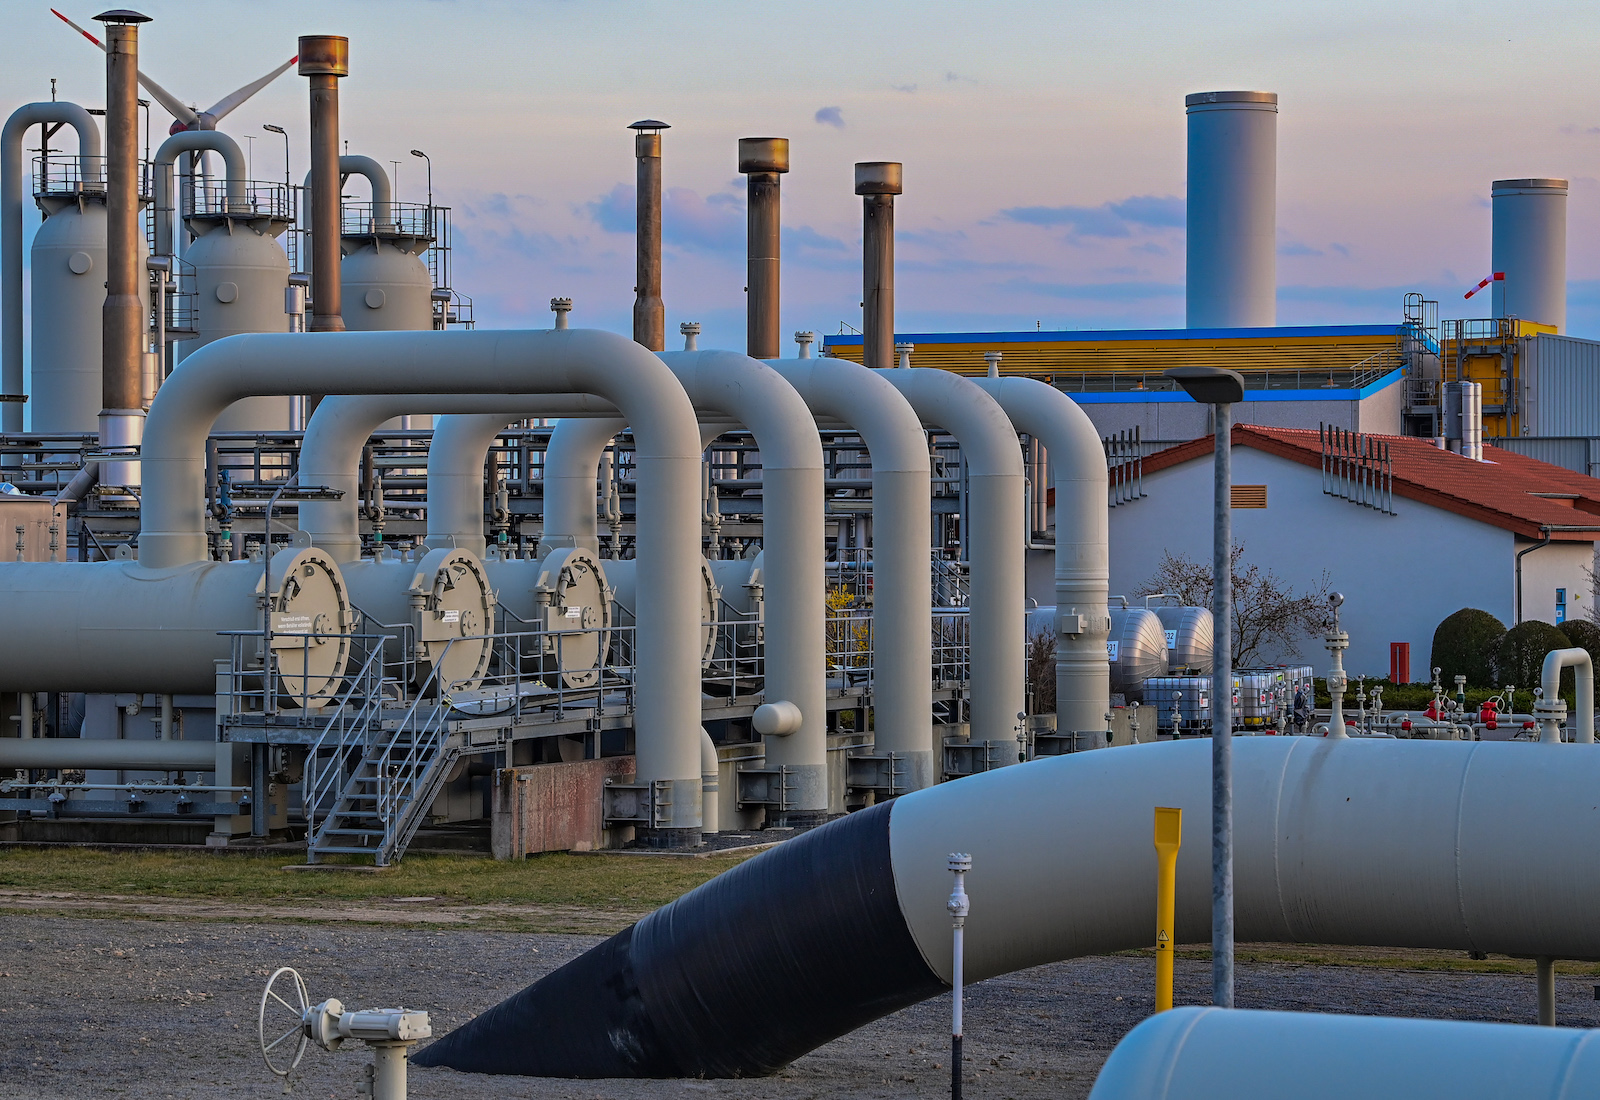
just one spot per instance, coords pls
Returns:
(139, 1008)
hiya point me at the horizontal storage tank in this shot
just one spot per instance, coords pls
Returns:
(623, 573)
(117, 626)
(1136, 649)
(1189, 637)
(445, 600)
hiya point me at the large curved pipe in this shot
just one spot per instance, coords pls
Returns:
(795, 662)
(1386, 843)
(1550, 681)
(89, 161)
(505, 362)
(1225, 1054)
(382, 190)
(330, 454)
(994, 530)
(1083, 564)
(571, 463)
(902, 633)
(189, 141)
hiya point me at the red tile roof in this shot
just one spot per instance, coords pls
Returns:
(1503, 491)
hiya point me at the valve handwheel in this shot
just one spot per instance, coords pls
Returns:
(282, 1021)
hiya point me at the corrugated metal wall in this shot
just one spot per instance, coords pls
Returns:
(1561, 387)
(1577, 453)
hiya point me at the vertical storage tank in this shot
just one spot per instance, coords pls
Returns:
(1232, 210)
(68, 272)
(240, 275)
(1530, 246)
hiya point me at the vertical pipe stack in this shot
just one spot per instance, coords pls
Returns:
(123, 333)
(1530, 246)
(1232, 210)
(325, 58)
(877, 182)
(763, 160)
(649, 312)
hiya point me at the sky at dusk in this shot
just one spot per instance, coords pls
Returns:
(1043, 143)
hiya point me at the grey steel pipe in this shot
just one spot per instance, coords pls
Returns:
(325, 58)
(758, 397)
(82, 481)
(570, 464)
(330, 455)
(1375, 842)
(188, 141)
(505, 362)
(994, 528)
(124, 325)
(1083, 566)
(877, 182)
(1195, 1053)
(11, 174)
(1582, 666)
(649, 312)
(377, 177)
(73, 752)
(763, 161)
(902, 677)
(1222, 717)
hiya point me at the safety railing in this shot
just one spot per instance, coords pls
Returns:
(206, 196)
(352, 717)
(850, 647)
(391, 219)
(737, 667)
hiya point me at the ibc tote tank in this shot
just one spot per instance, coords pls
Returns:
(68, 273)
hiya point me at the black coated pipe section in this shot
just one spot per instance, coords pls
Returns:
(674, 995)
(763, 161)
(649, 312)
(877, 182)
(325, 59)
(122, 350)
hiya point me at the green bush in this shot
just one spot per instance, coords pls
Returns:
(1585, 635)
(1520, 654)
(1464, 645)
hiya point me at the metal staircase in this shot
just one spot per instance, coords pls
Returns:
(374, 771)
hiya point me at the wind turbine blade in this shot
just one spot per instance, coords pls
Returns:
(77, 28)
(229, 102)
(175, 106)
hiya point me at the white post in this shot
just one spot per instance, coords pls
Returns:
(960, 864)
(1337, 642)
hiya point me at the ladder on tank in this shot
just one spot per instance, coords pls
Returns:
(369, 781)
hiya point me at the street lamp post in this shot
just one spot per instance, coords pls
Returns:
(280, 131)
(429, 162)
(1221, 389)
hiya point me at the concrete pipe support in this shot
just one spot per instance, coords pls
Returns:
(902, 676)
(1083, 568)
(759, 398)
(995, 535)
(505, 362)
(11, 176)
(1380, 842)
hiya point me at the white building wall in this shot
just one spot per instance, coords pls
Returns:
(1401, 575)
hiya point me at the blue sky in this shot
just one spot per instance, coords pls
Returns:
(1043, 143)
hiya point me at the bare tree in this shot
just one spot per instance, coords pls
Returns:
(1267, 612)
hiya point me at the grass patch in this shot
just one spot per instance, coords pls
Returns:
(597, 882)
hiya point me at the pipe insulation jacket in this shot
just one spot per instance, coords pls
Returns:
(11, 231)
(330, 455)
(189, 141)
(1083, 566)
(994, 527)
(795, 668)
(72, 752)
(902, 631)
(578, 361)
(1386, 842)
(1220, 1054)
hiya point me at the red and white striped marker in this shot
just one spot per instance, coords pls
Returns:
(1497, 277)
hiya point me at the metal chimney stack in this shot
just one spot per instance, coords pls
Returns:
(1232, 210)
(763, 160)
(877, 182)
(124, 331)
(1530, 246)
(325, 58)
(649, 312)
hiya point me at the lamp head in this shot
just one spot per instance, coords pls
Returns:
(1209, 385)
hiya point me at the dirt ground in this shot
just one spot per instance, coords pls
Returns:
(92, 1005)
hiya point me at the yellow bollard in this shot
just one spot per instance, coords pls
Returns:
(1169, 835)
